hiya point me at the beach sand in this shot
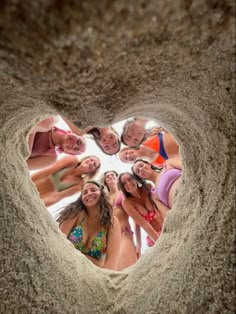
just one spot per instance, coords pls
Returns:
(99, 63)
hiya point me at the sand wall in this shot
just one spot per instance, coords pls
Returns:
(100, 62)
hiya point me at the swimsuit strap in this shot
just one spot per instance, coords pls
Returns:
(162, 151)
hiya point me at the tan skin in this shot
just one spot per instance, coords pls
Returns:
(92, 226)
(128, 254)
(71, 143)
(45, 187)
(152, 227)
(135, 131)
(128, 155)
(144, 171)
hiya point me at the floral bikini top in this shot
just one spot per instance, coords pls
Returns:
(97, 247)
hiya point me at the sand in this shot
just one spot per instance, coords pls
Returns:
(99, 62)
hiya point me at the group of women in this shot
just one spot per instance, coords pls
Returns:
(98, 222)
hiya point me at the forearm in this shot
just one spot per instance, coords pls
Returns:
(151, 232)
(161, 207)
(138, 235)
(39, 162)
(73, 127)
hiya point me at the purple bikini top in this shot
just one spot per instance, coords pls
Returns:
(169, 176)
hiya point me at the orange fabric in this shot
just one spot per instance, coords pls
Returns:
(154, 144)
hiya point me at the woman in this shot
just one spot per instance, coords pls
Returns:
(138, 205)
(134, 132)
(106, 138)
(156, 149)
(47, 141)
(64, 178)
(128, 254)
(88, 224)
(166, 181)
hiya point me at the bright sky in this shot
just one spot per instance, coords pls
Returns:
(107, 163)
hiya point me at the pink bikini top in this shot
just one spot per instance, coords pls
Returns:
(119, 200)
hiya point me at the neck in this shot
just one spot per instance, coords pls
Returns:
(93, 213)
(153, 176)
(56, 138)
(113, 189)
(136, 193)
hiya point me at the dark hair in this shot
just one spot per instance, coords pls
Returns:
(93, 173)
(74, 208)
(146, 162)
(121, 186)
(95, 132)
(141, 182)
(104, 178)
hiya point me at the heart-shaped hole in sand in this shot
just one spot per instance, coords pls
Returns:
(124, 179)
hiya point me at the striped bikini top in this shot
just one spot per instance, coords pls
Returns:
(97, 247)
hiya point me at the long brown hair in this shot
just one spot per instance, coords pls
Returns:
(74, 208)
(143, 184)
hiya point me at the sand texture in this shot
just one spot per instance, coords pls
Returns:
(99, 62)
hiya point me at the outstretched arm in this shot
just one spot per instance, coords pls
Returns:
(163, 209)
(68, 161)
(73, 127)
(174, 162)
(58, 196)
(113, 246)
(42, 161)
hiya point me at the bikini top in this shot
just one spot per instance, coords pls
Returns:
(150, 215)
(119, 200)
(58, 185)
(42, 144)
(97, 247)
(167, 179)
(156, 143)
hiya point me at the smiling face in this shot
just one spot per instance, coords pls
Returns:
(129, 183)
(133, 134)
(91, 194)
(142, 169)
(90, 164)
(73, 144)
(109, 141)
(128, 155)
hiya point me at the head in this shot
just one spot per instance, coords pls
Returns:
(142, 169)
(133, 133)
(109, 178)
(92, 196)
(71, 143)
(127, 183)
(128, 154)
(108, 140)
(90, 165)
